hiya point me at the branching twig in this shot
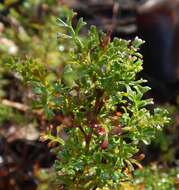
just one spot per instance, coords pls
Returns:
(20, 106)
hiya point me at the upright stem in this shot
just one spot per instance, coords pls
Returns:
(88, 139)
(86, 136)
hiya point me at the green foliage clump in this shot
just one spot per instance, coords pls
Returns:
(153, 178)
(101, 100)
(26, 33)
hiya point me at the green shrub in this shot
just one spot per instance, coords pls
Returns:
(104, 114)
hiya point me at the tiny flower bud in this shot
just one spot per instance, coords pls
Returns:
(95, 126)
(104, 144)
(117, 130)
(101, 131)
